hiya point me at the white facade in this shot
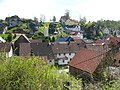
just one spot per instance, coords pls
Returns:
(10, 53)
(80, 35)
(76, 28)
(46, 32)
(106, 31)
(64, 58)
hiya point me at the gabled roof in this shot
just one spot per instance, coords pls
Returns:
(71, 22)
(42, 49)
(66, 47)
(102, 48)
(22, 39)
(5, 47)
(113, 41)
(86, 60)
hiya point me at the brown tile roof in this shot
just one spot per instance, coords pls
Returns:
(35, 41)
(24, 49)
(5, 47)
(112, 41)
(86, 60)
(102, 48)
(42, 49)
(102, 41)
(65, 47)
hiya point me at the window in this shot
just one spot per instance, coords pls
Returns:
(64, 53)
(59, 54)
(69, 53)
(63, 61)
(70, 59)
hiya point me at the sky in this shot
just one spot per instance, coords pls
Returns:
(93, 10)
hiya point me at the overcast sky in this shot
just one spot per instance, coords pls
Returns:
(92, 9)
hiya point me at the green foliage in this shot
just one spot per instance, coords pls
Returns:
(4, 36)
(8, 37)
(19, 73)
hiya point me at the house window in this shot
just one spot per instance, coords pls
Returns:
(64, 53)
(63, 61)
(69, 53)
(50, 61)
(59, 54)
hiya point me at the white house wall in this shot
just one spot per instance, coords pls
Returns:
(10, 53)
(64, 62)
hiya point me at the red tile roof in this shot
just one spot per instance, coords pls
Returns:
(86, 60)
(113, 41)
(102, 41)
(102, 48)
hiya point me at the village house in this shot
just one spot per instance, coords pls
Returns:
(6, 49)
(106, 30)
(85, 63)
(116, 33)
(69, 25)
(56, 53)
(72, 25)
(21, 39)
(64, 52)
(43, 49)
(95, 56)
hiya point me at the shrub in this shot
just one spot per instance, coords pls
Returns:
(18, 73)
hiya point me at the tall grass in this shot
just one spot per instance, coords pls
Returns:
(18, 73)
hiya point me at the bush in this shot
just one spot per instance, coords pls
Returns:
(18, 73)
